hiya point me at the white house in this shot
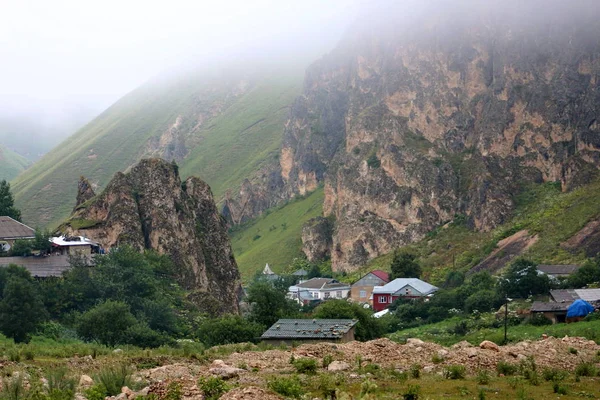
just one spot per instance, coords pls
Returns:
(409, 288)
(318, 289)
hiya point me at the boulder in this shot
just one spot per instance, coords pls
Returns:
(219, 368)
(86, 381)
(338, 366)
(487, 345)
(414, 342)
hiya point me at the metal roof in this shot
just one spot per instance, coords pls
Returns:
(64, 241)
(399, 283)
(300, 272)
(384, 276)
(589, 295)
(540, 306)
(558, 269)
(309, 329)
(321, 283)
(12, 229)
(564, 295)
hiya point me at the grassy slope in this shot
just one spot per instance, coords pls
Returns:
(543, 210)
(116, 139)
(278, 244)
(247, 135)
(11, 163)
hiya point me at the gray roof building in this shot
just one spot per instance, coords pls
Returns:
(397, 284)
(332, 330)
(570, 295)
(11, 229)
(558, 270)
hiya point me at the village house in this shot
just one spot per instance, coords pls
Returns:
(362, 289)
(316, 289)
(289, 331)
(557, 271)
(268, 274)
(408, 288)
(11, 230)
(72, 245)
(560, 300)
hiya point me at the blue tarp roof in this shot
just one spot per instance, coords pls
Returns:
(579, 308)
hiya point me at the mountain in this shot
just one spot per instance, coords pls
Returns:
(224, 125)
(11, 163)
(151, 208)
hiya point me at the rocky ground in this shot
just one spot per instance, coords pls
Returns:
(248, 372)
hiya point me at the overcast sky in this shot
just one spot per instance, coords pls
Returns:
(59, 55)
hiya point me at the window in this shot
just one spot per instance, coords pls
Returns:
(383, 299)
(362, 294)
(338, 294)
(327, 294)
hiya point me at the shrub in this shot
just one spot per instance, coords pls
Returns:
(29, 354)
(483, 377)
(573, 350)
(306, 365)
(96, 392)
(554, 374)
(371, 369)
(436, 359)
(506, 369)
(327, 359)
(113, 378)
(412, 393)
(559, 389)
(455, 372)
(212, 387)
(107, 323)
(14, 355)
(287, 387)
(585, 369)
(539, 320)
(61, 386)
(415, 371)
(13, 388)
(142, 335)
(367, 387)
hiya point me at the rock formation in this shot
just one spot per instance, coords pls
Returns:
(85, 192)
(150, 208)
(443, 113)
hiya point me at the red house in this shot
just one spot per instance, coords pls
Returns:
(409, 288)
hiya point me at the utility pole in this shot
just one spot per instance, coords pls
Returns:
(505, 318)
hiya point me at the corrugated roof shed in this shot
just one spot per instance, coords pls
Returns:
(309, 329)
(540, 306)
(397, 284)
(589, 295)
(11, 229)
(564, 295)
(557, 269)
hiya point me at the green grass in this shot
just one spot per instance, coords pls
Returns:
(240, 133)
(274, 238)
(11, 163)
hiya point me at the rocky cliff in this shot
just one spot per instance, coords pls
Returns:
(444, 111)
(150, 208)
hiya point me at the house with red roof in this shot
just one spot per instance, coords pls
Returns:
(362, 289)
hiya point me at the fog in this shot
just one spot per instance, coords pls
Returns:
(64, 61)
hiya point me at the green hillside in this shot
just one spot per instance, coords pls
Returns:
(228, 132)
(11, 163)
(543, 210)
(275, 237)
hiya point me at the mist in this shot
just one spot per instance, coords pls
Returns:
(63, 62)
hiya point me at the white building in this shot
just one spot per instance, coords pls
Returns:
(318, 289)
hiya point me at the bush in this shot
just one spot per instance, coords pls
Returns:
(107, 323)
(455, 372)
(229, 329)
(559, 389)
(573, 350)
(306, 366)
(327, 359)
(415, 371)
(113, 378)
(554, 374)
(213, 387)
(367, 387)
(539, 320)
(412, 393)
(287, 387)
(61, 386)
(586, 369)
(437, 359)
(141, 335)
(506, 369)
(96, 392)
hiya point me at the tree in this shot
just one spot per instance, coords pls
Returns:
(229, 329)
(268, 304)
(367, 328)
(587, 274)
(21, 310)
(22, 248)
(404, 266)
(107, 323)
(522, 280)
(7, 202)
(41, 241)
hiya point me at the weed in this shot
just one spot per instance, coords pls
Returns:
(371, 369)
(328, 359)
(287, 387)
(358, 361)
(506, 369)
(14, 355)
(481, 394)
(13, 389)
(29, 354)
(558, 388)
(455, 372)
(437, 359)
(586, 369)
(328, 385)
(483, 377)
(415, 371)
(554, 374)
(113, 378)
(61, 386)
(367, 387)
(412, 393)
(96, 392)
(174, 391)
(573, 350)
(306, 366)
(213, 387)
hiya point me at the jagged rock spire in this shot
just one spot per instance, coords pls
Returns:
(84, 192)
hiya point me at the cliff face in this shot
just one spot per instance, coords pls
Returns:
(150, 208)
(445, 112)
